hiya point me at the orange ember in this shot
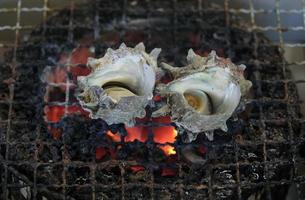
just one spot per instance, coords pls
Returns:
(56, 132)
(100, 153)
(164, 134)
(137, 168)
(168, 149)
(136, 133)
(114, 136)
(55, 113)
(161, 135)
(169, 172)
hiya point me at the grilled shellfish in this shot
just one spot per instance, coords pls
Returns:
(120, 85)
(204, 94)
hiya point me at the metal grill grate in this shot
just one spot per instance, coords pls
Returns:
(254, 141)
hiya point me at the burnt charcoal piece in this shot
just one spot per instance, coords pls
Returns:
(56, 94)
(136, 174)
(22, 152)
(274, 90)
(50, 152)
(23, 132)
(79, 192)
(108, 174)
(26, 169)
(224, 176)
(82, 136)
(170, 193)
(227, 193)
(24, 111)
(279, 191)
(268, 53)
(191, 194)
(278, 152)
(249, 192)
(252, 110)
(251, 173)
(3, 131)
(50, 174)
(194, 175)
(277, 132)
(78, 175)
(278, 172)
(251, 133)
(253, 153)
(272, 72)
(108, 193)
(137, 192)
(224, 154)
(134, 151)
(167, 175)
(301, 149)
(275, 110)
(4, 92)
(292, 93)
(4, 109)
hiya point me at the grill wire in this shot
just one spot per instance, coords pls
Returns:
(292, 122)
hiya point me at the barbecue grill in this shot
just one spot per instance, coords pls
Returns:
(50, 149)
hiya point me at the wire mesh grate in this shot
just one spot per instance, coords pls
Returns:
(269, 142)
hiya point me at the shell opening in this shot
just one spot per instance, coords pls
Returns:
(198, 100)
(118, 90)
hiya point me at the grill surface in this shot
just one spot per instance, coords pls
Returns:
(261, 156)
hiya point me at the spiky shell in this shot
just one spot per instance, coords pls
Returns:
(120, 85)
(204, 94)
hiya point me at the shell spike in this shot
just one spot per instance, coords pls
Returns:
(224, 127)
(110, 51)
(174, 71)
(155, 53)
(93, 63)
(191, 56)
(212, 58)
(140, 46)
(242, 67)
(123, 46)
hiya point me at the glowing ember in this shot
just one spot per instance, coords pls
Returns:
(165, 134)
(55, 113)
(137, 168)
(169, 171)
(100, 153)
(56, 132)
(136, 133)
(168, 149)
(114, 136)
